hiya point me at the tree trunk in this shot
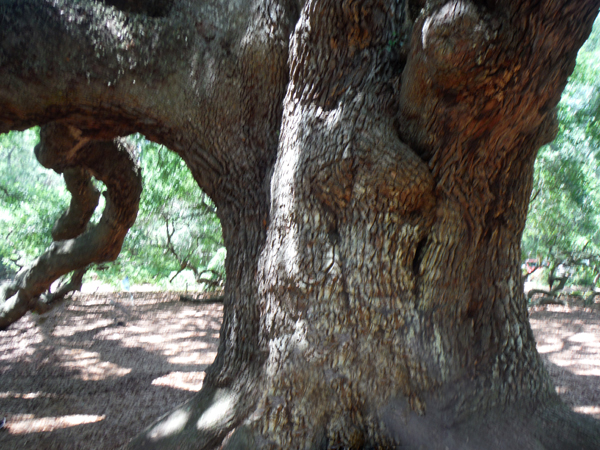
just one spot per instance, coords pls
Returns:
(371, 163)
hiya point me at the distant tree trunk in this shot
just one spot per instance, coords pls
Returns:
(371, 163)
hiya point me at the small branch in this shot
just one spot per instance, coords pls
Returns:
(48, 301)
(213, 283)
(15, 261)
(535, 196)
(183, 267)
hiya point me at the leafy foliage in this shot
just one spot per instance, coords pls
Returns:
(563, 225)
(176, 241)
(31, 199)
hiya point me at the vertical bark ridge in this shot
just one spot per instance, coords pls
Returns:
(351, 205)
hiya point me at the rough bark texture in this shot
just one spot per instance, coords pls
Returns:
(371, 162)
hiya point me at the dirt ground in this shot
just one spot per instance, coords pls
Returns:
(98, 369)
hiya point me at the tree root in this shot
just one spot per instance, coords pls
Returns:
(77, 244)
(202, 301)
(199, 424)
(549, 297)
(215, 420)
(549, 301)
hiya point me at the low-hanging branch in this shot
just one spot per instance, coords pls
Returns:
(77, 244)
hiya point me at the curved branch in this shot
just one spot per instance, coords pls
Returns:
(112, 163)
(84, 200)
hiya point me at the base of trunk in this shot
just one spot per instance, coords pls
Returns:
(225, 418)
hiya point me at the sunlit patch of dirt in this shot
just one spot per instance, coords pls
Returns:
(98, 369)
(191, 381)
(26, 423)
(568, 338)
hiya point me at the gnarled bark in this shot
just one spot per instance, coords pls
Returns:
(371, 163)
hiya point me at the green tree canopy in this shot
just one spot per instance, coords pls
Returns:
(564, 214)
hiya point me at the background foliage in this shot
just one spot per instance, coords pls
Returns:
(31, 199)
(563, 225)
(175, 243)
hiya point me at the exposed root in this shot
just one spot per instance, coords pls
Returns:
(549, 427)
(548, 297)
(76, 244)
(201, 423)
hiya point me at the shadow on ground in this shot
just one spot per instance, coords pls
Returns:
(98, 369)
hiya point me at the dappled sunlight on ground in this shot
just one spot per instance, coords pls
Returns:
(98, 369)
(568, 338)
(88, 365)
(26, 423)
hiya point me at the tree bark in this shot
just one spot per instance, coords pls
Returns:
(371, 163)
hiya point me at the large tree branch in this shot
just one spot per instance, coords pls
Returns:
(190, 75)
(103, 63)
(111, 162)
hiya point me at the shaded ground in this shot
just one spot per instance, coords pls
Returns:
(95, 371)
(91, 374)
(568, 338)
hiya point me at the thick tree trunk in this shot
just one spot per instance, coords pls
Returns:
(372, 203)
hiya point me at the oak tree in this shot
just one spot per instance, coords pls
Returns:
(371, 163)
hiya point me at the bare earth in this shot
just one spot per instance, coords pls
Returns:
(98, 369)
